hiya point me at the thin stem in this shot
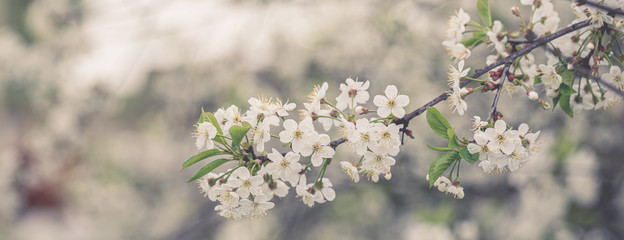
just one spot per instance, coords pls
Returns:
(499, 90)
(586, 73)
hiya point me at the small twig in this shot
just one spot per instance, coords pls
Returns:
(536, 43)
(519, 42)
(478, 73)
(578, 68)
(610, 10)
(499, 90)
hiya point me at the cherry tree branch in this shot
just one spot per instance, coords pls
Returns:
(499, 89)
(478, 73)
(583, 71)
(610, 10)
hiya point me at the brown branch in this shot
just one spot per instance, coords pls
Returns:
(499, 90)
(478, 73)
(580, 69)
(610, 10)
(528, 48)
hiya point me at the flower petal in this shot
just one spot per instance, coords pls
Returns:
(391, 91)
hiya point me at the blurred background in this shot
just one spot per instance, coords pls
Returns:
(99, 97)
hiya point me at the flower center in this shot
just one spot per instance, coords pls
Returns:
(317, 147)
(283, 164)
(500, 138)
(364, 137)
(298, 134)
(392, 103)
(385, 136)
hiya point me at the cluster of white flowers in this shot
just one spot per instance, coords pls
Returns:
(545, 20)
(456, 27)
(501, 148)
(598, 17)
(246, 191)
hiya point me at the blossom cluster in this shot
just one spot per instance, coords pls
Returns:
(246, 190)
(259, 175)
(554, 75)
(501, 148)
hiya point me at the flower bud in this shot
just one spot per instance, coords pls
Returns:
(334, 113)
(544, 104)
(533, 95)
(515, 11)
(590, 45)
(388, 175)
(361, 110)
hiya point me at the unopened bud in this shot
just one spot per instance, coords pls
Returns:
(361, 110)
(515, 11)
(511, 77)
(590, 45)
(533, 95)
(544, 104)
(334, 113)
(388, 175)
(576, 38)
(314, 116)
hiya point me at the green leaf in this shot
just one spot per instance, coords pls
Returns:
(437, 122)
(466, 155)
(212, 119)
(202, 117)
(555, 101)
(476, 39)
(237, 133)
(208, 168)
(440, 149)
(566, 90)
(564, 103)
(452, 138)
(483, 7)
(567, 78)
(200, 156)
(440, 165)
(537, 80)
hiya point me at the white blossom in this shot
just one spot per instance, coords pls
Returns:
(244, 183)
(205, 133)
(297, 133)
(352, 93)
(392, 103)
(260, 133)
(256, 208)
(361, 137)
(549, 77)
(317, 145)
(350, 170)
(615, 77)
(285, 167)
(316, 96)
(501, 138)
